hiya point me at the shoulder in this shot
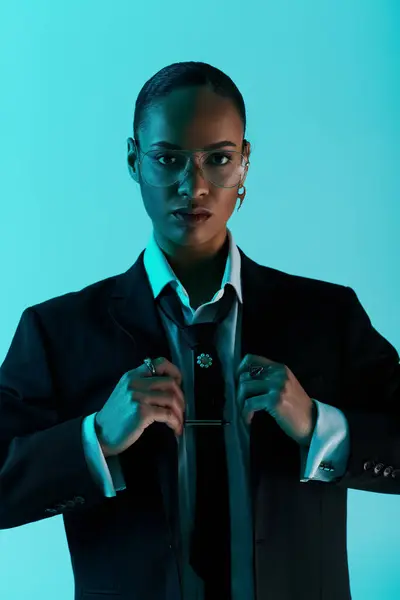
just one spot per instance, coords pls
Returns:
(84, 304)
(293, 284)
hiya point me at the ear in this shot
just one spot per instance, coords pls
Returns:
(246, 149)
(246, 154)
(133, 160)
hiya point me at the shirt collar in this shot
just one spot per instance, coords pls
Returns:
(160, 272)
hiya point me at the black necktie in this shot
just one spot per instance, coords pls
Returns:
(210, 549)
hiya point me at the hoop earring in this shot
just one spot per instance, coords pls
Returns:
(241, 196)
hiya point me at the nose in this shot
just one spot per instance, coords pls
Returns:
(193, 181)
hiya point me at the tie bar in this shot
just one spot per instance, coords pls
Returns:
(206, 422)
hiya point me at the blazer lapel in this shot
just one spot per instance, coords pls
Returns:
(133, 308)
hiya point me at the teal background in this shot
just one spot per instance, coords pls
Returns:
(321, 85)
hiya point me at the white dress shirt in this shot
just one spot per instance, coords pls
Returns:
(329, 444)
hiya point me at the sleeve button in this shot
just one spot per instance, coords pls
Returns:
(368, 465)
(378, 468)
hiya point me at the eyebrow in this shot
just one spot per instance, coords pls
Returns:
(164, 144)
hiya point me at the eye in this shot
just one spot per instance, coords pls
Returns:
(220, 155)
(168, 156)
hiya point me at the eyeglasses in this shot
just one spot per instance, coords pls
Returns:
(164, 168)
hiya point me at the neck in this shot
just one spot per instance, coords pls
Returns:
(201, 275)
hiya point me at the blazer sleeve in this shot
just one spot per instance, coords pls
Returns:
(371, 403)
(43, 467)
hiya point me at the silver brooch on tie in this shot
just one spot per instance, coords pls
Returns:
(204, 360)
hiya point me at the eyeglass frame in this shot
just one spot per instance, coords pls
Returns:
(190, 152)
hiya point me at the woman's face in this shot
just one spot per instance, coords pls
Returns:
(192, 119)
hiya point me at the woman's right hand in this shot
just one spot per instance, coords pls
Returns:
(138, 400)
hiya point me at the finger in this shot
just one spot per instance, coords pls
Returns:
(162, 367)
(165, 367)
(159, 399)
(248, 388)
(165, 415)
(272, 374)
(250, 417)
(253, 359)
(180, 397)
(165, 383)
(263, 402)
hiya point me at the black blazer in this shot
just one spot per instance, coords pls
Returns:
(65, 359)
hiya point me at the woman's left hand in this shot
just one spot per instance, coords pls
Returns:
(279, 393)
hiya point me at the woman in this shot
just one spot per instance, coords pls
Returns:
(198, 336)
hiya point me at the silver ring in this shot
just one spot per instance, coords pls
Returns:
(149, 363)
(255, 370)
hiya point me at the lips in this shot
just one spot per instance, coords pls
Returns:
(191, 220)
(195, 211)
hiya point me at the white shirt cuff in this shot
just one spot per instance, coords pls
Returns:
(326, 458)
(107, 472)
